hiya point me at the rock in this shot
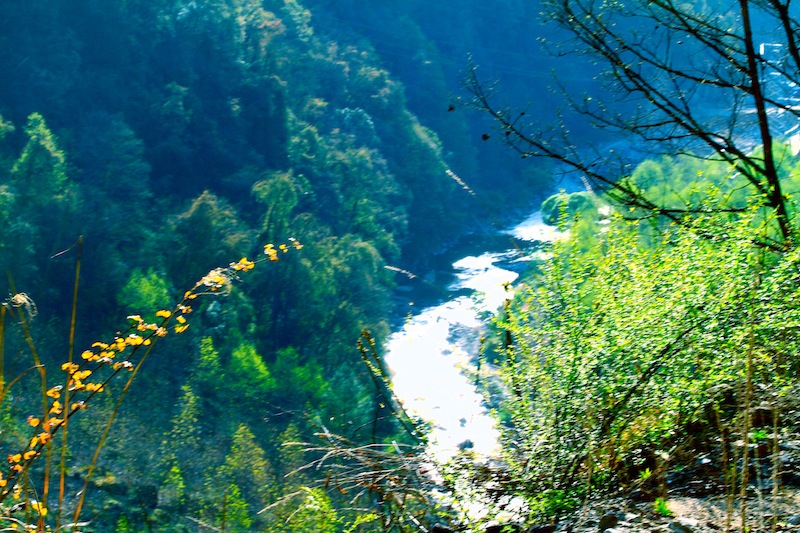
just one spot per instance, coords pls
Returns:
(639, 495)
(466, 445)
(793, 520)
(683, 525)
(608, 521)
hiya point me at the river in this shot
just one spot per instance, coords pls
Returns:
(428, 356)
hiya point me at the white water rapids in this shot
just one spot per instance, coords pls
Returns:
(427, 356)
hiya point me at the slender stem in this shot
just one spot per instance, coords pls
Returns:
(2, 354)
(70, 355)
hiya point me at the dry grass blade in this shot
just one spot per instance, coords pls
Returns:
(399, 476)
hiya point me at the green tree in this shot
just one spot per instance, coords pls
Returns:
(234, 516)
(40, 174)
(314, 512)
(279, 194)
(248, 468)
(144, 292)
(181, 446)
(205, 236)
(248, 377)
(41, 203)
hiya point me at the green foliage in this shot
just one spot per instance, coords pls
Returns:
(5, 128)
(314, 513)
(144, 290)
(234, 515)
(40, 173)
(305, 380)
(247, 466)
(661, 506)
(569, 205)
(621, 347)
(206, 234)
(123, 525)
(175, 136)
(172, 492)
(208, 373)
(248, 375)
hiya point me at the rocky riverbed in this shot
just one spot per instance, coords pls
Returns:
(688, 515)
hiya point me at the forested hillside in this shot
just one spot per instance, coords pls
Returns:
(176, 137)
(206, 207)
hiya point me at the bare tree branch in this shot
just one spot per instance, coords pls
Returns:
(668, 61)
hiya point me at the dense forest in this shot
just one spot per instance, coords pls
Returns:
(147, 143)
(237, 186)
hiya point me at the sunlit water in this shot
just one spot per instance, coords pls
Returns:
(427, 356)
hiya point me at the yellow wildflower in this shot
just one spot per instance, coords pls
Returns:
(92, 387)
(30, 454)
(52, 423)
(14, 458)
(82, 374)
(244, 265)
(88, 355)
(69, 368)
(215, 279)
(161, 332)
(164, 313)
(269, 251)
(33, 421)
(100, 345)
(181, 329)
(56, 408)
(38, 508)
(133, 340)
(54, 392)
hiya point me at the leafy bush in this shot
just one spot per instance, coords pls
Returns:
(622, 352)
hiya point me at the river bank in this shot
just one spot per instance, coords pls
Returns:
(431, 354)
